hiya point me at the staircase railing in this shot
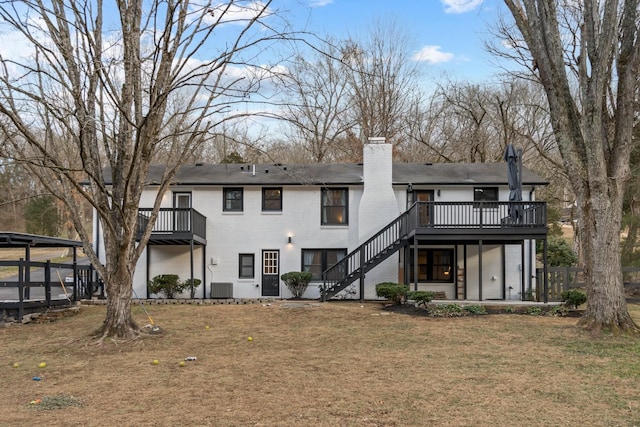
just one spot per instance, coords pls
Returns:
(368, 255)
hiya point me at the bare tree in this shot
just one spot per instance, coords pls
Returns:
(586, 55)
(469, 122)
(103, 89)
(317, 104)
(382, 78)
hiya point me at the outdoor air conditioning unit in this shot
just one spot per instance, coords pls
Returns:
(221, 290)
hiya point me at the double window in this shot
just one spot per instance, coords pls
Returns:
(334, 206)
(318, 260)
(233, 199)
(434, 265)
(272, 199)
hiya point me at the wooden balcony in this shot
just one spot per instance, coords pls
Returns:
(174, 226)
(478, 220)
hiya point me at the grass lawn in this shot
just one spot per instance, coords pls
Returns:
(332, 364)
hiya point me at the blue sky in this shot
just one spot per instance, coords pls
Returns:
(448, 34)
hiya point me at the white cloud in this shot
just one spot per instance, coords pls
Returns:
(320, 3)
(432, 54)
(460, 6)
(237, 13)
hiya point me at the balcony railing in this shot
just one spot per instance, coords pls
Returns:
(178, 222)
(478, 215)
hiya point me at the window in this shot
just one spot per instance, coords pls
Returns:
(318, 260)
(485, 194)
(334, 206)
(247, 266)
(272, 199)
(232, 200)
(434, 265)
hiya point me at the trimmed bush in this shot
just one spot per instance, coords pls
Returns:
(394, 292)
(170, 285)
(297, 282)
(573, 298)
(421, 297)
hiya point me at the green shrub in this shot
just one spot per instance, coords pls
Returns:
(534, 311)
(421, 297)
(559, 253)
(297, 282)
(447, 310)
(394, 292)
(559, 311)
(509, 309)
(475, 309)
(170, 285)
(573, 298)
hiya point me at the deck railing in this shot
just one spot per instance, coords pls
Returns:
(478, 215)
(59, 284)
(174, 221)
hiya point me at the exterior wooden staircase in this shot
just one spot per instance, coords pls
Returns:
(365, 257)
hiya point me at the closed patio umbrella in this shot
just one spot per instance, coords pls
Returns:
(515, 184)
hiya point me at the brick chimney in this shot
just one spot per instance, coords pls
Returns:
(378, 205)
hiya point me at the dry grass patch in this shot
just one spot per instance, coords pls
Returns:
(333, 364)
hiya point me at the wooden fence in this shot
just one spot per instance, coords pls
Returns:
(560, 279)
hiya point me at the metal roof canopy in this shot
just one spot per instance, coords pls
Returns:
(22, 240)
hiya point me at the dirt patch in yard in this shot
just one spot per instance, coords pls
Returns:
(330, 364)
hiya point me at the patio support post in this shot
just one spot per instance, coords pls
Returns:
(148, 260)
(76, 282)
(191, 291)
(415, 263)
(523, 268)
(20, 289)
(204, 272)
(47, 283)
(27, 271)
(407, 265)
(362, 266)
(504, 271)
(480, 270)
(546, 272)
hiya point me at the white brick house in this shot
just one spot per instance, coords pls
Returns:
(238, 227)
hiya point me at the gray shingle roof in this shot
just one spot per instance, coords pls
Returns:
(342, 174)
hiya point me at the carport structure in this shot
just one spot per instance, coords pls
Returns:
(24, 281)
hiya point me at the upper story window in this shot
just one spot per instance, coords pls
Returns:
(334, 206)
(485, 194)
(272, 199)
(233, 199)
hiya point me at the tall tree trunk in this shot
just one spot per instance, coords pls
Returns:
(606, 304)
(593, 124)
(119, 322)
